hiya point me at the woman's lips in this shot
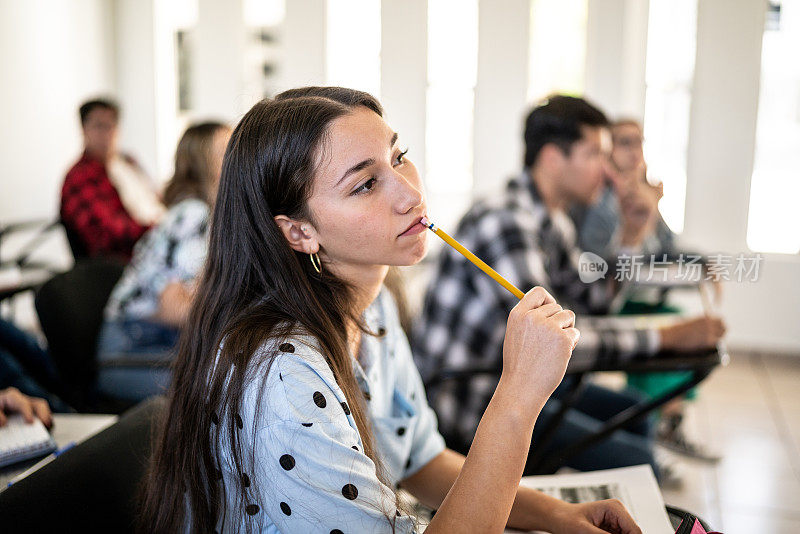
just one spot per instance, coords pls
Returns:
(414, 229)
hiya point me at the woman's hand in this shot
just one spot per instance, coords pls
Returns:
(13, 401)
(540, 337)
(593, 518)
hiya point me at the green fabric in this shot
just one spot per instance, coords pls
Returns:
(656, 384)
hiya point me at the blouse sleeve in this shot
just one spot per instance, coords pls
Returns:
(310, 473)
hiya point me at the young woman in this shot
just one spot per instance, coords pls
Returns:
(295, 405)
(151, 301)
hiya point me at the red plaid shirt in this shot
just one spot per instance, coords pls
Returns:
(93, 212)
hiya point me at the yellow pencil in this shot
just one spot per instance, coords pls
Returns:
(473, 258)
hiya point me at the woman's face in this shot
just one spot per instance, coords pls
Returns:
(367, 198)
(626, 152)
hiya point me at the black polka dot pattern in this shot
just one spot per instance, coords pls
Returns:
(401, 431)
(239, 421)
(354, 447)
(280, 376)
(346, 408)
(408, 463)
(381, 331)
(306, 424)
(252, 509)
(350, 492)
(336, 531)
(245, 480)
(287, 462)
(286, 347)
(319, 399)
(286, 509)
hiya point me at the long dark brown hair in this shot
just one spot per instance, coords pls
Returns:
(254, 287)
(193, 176)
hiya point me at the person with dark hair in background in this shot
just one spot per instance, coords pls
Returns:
(150, 302)
(107, 201)
(527, 236)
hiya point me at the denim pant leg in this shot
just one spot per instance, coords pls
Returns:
(602, 403)
(31, 356)
(128, 354)
(621, 449)
(12, 374)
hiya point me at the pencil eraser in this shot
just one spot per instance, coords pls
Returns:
(424, 221)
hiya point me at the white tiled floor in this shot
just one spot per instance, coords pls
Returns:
(749, 411)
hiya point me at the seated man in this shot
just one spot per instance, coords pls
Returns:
(107, 202)
(526, 235)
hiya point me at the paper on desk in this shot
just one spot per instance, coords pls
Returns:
(635, 486)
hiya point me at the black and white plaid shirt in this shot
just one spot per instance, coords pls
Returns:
(464, 314)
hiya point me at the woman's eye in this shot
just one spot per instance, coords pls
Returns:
(366, 187)
(401, 157)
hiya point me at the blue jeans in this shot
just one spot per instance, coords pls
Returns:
(27, 366)
(133, 357)
(632, 445)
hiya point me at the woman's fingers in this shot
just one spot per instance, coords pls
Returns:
(565, 318)
(536, 297)
(574, 335)
(14, 401)
(42, 410)
(549, 310)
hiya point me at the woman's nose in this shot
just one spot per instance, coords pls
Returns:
(408, 195)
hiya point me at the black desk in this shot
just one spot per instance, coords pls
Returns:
(700, 363)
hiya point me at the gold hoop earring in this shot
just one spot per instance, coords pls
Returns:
(315, 262)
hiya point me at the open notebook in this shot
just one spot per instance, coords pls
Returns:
(22, 441)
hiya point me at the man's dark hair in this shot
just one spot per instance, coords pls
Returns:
(98, 103)
(558, 120)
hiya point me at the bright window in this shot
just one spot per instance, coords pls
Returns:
(557, 48)
(671, 47)
(774, 221)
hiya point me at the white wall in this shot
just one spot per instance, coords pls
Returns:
(764, 314)
(218, 75)
(500, 92)
(53, 55)
(145, 74)
(616, 53)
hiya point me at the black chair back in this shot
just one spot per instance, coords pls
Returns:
(70, 309)
(93, 487)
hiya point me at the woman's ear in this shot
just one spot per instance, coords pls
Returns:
(300, 235)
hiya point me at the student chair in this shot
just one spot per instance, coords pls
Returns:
(70, 309)
(92, 487)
